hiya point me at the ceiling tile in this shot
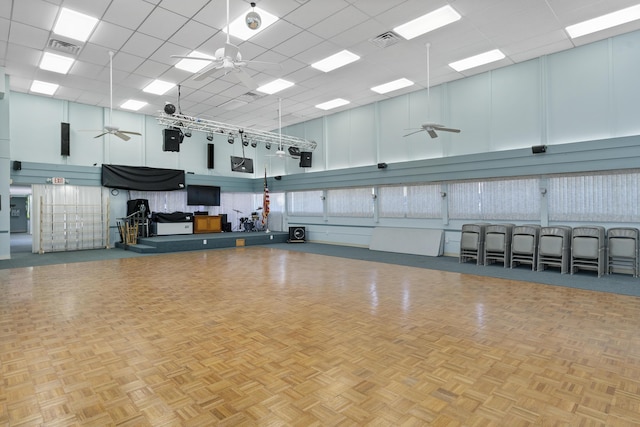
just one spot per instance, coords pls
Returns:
(128, 13)
(162, 24)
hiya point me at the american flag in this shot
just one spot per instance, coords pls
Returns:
(265, 200)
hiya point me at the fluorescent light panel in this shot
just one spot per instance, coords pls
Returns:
(391, 86)
(603, 22)
(429, 22)
(44, 87)
(194, 65)
(334, 103)
(275, 86)
(134, 105)
(158, 87)
(74, 25)
(477, 60)
(56, 63)
(335, 61)
(238, 28)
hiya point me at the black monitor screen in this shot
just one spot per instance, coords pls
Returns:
(203, 195)
(241, 164)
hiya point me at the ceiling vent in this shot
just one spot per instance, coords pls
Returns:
(250, 96)
(62, 46)
(385, 39)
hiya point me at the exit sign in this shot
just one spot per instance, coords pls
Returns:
(57, 180)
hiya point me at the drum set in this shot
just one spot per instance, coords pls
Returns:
(252, 223)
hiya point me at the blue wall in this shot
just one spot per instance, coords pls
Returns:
(582, 103)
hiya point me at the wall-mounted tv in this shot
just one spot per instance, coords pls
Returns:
(203, 195)
(241, 164)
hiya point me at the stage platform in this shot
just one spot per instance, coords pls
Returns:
(194, 242)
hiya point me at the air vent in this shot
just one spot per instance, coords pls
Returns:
(385, 39)
(62, 46)
(250, 96)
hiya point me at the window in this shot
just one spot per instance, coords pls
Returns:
(351, 202)
(413, 201)
(305, 203)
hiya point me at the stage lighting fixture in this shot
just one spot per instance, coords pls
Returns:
(267, 146)
(169, 109)
(187, 133)
(231, 139)
(253, 19)
(254, 144)
(210, 136)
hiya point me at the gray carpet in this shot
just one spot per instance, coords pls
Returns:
(614, 283)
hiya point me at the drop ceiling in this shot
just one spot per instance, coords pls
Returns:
(144, 34)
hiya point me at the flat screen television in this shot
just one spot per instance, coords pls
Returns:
(203, 195)
(241, 164)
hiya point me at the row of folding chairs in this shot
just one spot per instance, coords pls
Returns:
(570, 249)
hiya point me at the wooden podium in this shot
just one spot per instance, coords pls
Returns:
(207, 224)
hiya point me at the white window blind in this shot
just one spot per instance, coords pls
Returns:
(350, 202)
(595, 197)
(413, 201)
(305, 203)
(509, 199)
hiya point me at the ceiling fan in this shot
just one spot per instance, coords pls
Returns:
(110, 128)
(229, 60)
(431, 128)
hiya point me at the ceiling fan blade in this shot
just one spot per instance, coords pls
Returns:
(121, 135)
(245, 79)
(415, 131)
(448, 129)
(208, 72)
(130, 132)
(102, 134)
(197, 58)
(432, 133)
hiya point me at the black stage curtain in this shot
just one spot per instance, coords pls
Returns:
(142, 178)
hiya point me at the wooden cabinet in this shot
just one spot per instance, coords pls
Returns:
(207, 224)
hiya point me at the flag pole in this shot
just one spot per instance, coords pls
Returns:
(265, 204)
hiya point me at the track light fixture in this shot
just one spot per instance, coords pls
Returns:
(187, 133)
(254, 144)
(231, 139)
(210, 136)
(267, 146)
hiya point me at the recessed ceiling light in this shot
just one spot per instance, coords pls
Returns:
(477, 60)
(391, 86)
(337, 60)
(238, 27)
(605, 21)
(44, 87)
(275, 86)
(75, 25)
(134, 105)
(158, 87)
(429, 22)
(194, 65)
(56, 63)
(334, 103)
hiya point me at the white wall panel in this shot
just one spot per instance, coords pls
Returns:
(363, 138)
(35, 128)
(516, 118)
(578, 94)
(85, 122)
(393, 114)
(626, 88)
(337, 140)
(469, 106)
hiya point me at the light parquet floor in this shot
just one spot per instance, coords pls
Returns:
(262, 336)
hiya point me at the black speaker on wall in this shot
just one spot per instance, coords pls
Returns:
(65, 148)
(171, 139)
(305, 159)
(537, 149)
(209, 156)
(17, 165)
(297, 235)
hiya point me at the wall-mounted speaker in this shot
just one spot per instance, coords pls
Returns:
(305, 159)
(171, 139)
(65, 147)
(17, 165)
(277, 177)
(382, 165)
(537, 149)
(209, 156)
(297, 234)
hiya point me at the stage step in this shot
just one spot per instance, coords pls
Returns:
(193, 242)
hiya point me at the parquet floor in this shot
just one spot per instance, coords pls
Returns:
(258, 336)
